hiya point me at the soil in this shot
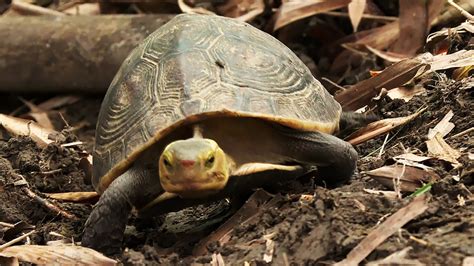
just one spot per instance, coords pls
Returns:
(319, 230)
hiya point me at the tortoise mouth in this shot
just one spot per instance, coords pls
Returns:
(194, 189)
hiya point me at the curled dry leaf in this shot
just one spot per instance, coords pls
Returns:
(23, 127)
(57, 255)
(291, 11)
(356, 10)
(380, 127)
(411, 178)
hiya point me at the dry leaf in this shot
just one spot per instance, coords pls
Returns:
(57, 102)
(387, 55)
(405, 93)
(443, 127)
(437, 147)
(58, 255)
(385, 230)
(356, 10)
(396, 75)
(411, 178)
(81, 196)
(193, 10)
(292, 11)
(468, 261)
(413, 23)
(23, 127)
(39, 115)
(460, 58)
(378, 128)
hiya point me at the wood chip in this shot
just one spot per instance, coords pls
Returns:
(443, 127)
(405, 93)
(393, 223)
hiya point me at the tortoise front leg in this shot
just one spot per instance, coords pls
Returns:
(335, 158)
(104, 229)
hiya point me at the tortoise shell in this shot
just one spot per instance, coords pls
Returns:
(196, 67)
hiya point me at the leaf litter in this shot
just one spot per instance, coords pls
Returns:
(298, 223)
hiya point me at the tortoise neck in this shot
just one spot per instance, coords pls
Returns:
(197, 132)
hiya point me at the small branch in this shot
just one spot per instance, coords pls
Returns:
(462, 133)
(18, 239)
(25, 8)
(463, 12)
(48, 204)
(7, 224)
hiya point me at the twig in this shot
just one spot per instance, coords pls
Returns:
(70, 144)
(462, 133)
(333, 83)
(463, 12)
(383, 146)
(7, 224)
(48, 204)
(26, 8)
(18, 239)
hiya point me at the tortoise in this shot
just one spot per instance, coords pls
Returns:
(204, 108)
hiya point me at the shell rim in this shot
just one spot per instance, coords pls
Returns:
(298, 124)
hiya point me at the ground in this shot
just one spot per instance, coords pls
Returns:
(321, 229)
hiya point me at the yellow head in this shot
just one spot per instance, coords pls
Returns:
(194, 168)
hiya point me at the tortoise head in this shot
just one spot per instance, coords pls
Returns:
(194, 168)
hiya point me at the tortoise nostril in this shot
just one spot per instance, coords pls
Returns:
(187, 163)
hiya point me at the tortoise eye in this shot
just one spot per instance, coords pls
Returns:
(210, 161)
(167, 163)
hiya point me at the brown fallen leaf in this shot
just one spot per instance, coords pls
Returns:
(393, 223)
(413, 23)
(437, 147)
(57, 255)
(23, 127)
(291, 11)
(411, 178)
(406, 93)
(356, 10)
(39, 115)
(395, 75)
(82, 196)
(380, 127)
